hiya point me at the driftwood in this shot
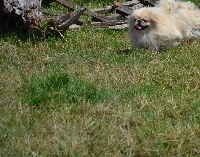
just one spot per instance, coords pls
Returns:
(33, 15)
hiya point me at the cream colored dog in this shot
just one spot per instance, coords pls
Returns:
(165, 25)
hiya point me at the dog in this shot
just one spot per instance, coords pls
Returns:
(166, 25)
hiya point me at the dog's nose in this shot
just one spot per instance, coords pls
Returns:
(138, 22)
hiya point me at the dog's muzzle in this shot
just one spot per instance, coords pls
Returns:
(140, 26)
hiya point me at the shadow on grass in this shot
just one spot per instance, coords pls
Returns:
(11, 23)
(12, 26)
(59, 88)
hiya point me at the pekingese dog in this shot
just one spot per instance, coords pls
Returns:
(165, 25)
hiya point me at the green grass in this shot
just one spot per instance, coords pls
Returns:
(93, 95)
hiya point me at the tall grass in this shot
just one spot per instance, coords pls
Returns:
(92, 94)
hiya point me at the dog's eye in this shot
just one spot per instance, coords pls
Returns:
(145, 21)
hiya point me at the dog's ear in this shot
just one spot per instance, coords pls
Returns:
(153, 18)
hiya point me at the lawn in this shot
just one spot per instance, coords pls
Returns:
(92, 94)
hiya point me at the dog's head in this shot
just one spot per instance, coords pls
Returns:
(143, 19)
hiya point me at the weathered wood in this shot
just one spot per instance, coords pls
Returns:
(74, 26)
(137, 6)
(149, 2)
(33, 13)
(99, 17)
(115, 16)
(82, 22)
(30, 10)
(68, 4)
(122, 26)
(127, 3)
(131, 3)
(106, 9)
(117, 4)
(66, 22)
(112, 23)
(124, 10)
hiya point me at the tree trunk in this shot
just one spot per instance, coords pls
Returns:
(28, 9)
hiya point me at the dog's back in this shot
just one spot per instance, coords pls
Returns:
(186, 14)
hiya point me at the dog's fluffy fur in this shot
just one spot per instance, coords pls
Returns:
(165, 25)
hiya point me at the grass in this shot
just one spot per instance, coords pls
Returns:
(93, 95)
